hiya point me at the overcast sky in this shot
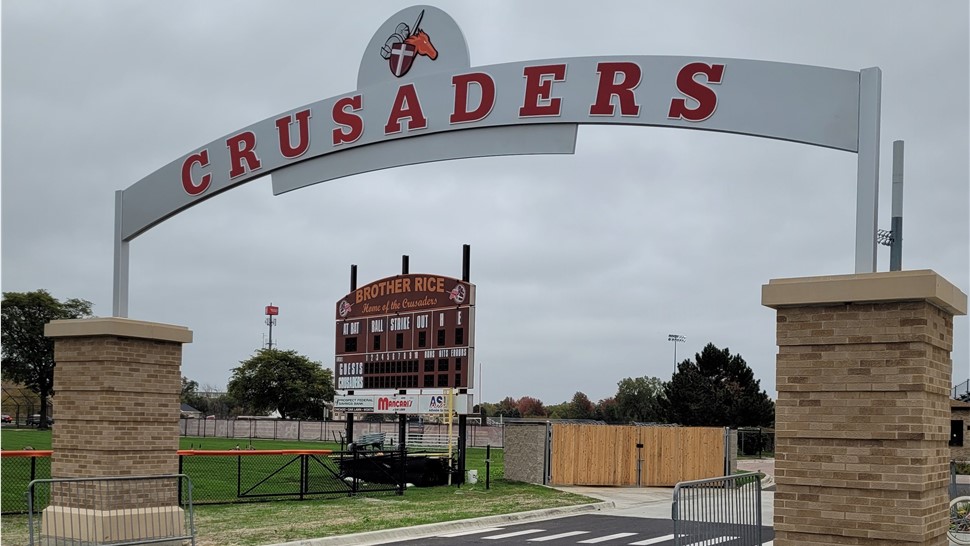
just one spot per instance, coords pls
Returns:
(584, 263)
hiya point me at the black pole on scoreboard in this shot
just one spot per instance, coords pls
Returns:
(466, 255)
(350, 415)
(402, 420)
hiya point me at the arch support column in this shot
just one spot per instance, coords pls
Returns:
(117, 383)
(862, 417)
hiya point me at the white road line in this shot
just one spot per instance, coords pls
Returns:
(607, 537)
(515, 534)
(650, 541)
(769, 543)
(709, 541)
(472, 532)
(560, 535)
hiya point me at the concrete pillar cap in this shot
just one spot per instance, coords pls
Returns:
(883, 287)
(117, 326)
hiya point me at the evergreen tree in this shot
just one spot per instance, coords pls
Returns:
(716, 389)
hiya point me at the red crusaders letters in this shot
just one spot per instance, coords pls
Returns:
(538, 90)
(191, 188)
(353, 123)
(461, 82)
(623, 89)
(283, 128)
(616, 79)
(705, 96)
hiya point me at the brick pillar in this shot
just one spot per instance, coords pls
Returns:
(117, 383)
(862, 416)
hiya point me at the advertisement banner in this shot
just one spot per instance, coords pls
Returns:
(427, 404)
(363, 404)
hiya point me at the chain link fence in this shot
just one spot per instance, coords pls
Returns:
(756, 442)
(221, 477)
(326, 431)
(18, 469)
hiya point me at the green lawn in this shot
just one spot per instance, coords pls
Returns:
(257, 523)
(218, 479)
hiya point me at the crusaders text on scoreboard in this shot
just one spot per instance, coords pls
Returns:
(413, 331)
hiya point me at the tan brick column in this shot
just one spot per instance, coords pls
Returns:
(117, 383)
(862, 416)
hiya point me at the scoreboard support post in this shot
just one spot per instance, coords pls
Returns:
(350, 415)
(462, 442)
(402, 430)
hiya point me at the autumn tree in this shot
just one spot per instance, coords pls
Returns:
(608, 410)
(531, 407)
(716, 389)
(284, 381)
(508, 407)
(28, 356)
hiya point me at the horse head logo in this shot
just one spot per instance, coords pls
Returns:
(402, 47)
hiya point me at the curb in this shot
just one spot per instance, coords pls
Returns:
(419, 531)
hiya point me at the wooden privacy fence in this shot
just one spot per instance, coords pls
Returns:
(582, 454)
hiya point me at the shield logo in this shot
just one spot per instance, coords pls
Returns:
(401, 58)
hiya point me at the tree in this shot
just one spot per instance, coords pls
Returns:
(508, 407)
(28, 356)
(608, 410)
(191, 396)
(717, 389)
(580, 407)
(284, 381)
(638, 399)
(531, 407)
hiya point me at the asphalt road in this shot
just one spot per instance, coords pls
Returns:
(582, 529)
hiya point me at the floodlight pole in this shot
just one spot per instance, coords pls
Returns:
(676, 338)
(896, 248)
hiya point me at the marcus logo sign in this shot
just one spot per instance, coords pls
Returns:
(385, 403)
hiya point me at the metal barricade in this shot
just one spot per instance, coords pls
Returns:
(117, 511)
(716, 510)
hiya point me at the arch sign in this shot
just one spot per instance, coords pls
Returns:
(418, 99)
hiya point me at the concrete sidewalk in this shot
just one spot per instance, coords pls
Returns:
(652, 502)
(640, 502)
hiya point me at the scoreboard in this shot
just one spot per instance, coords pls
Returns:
(414, 331)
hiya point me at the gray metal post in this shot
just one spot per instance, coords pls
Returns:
(867, 171)
(896, 247)
(119, 289)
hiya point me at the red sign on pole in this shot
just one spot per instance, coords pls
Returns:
(272, 310)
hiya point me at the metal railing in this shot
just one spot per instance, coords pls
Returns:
(119, 511)
(961, 391)
(717, 510)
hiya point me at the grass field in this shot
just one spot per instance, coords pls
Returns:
(257, 523)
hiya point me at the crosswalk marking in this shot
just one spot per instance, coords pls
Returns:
(515, 534)
(769, 543)
(472, 532)
(560, 535)
(709, 541)
(607, 537)
(650, 541)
